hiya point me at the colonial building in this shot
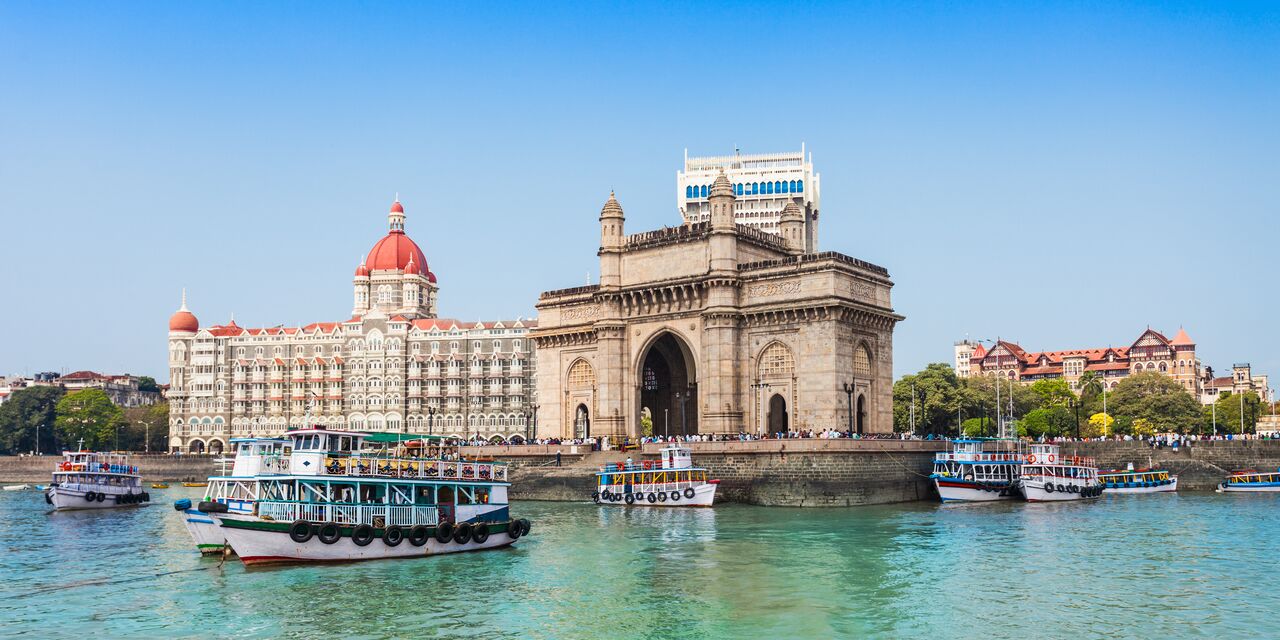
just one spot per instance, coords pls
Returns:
(393, 366)
(764, 184)
(1240, 381)
(1152, 351)
(716, 327)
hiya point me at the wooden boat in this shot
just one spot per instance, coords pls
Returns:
(195, 484)
(968, 473)
(1049, 476)
(1132, 480)
(89, 480)
(159, 485)
(672, 481)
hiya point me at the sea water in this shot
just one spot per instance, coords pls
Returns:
(1153, 566)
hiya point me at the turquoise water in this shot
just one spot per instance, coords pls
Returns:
(1191, 565)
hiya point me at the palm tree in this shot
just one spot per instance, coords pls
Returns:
(1090, 383)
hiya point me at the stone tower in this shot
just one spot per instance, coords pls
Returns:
(721, 318)
(792, 227)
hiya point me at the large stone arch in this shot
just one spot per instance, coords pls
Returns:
(580, 384)
(774, 376)
(666, 383)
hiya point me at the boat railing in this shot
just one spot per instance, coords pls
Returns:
(640, 487)
(643, 465)
(98, 467)
(275, 464)
(377, 515)
(1055, 459)
(947, 456)
(416, 469)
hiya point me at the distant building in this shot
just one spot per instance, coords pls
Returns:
(763, 186)
(964, 353)
(1241, 380)
(122, 389)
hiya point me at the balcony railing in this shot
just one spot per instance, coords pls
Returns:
(377, 515)
(422, 469)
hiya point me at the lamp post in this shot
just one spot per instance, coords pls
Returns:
(146, 439)
(533, 425)
(848, 391)
(431, 414)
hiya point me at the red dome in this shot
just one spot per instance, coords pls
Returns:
(184, 320)
(394, 251)
(396, 207)
(362, 270)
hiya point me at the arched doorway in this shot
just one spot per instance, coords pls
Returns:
(196, 446)
(668, 387)
(215, 446)
(860, 424)
(581, 422)
(778, 419)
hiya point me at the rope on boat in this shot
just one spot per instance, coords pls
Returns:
(106, 581)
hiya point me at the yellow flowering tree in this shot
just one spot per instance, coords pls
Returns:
(1099, 425)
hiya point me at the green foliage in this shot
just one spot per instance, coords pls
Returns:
(1158, 399)
(1052, 422)
(1053, 392)
(142, 421)
(29, 413)
(91, 415)
(936, 400)
(147, 383)
(1228, 412)
(975, 427)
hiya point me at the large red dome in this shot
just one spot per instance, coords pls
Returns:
(393, 252)
(184, 320)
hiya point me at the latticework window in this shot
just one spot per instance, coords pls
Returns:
(777, 362)
(862, 362)
(581, 375)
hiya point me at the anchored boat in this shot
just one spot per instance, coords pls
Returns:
(1132, 480)
(237, 491)
(672, 481)
(1049, 476)
(967, 473)
(1251, 481)
(90, 480)
(338, 502)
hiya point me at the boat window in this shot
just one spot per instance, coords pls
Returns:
(482, 495)
(445, 495)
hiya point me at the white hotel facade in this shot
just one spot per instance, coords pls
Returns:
(393, 366)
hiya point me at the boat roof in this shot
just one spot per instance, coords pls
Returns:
(383, 436)
(322, 430)
(280, 440)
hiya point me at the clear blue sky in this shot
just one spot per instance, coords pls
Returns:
(1058, 174)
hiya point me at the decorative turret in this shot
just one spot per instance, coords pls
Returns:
(721, 199)
(183, 321)
(611, 240)
(395, 219)
(792, 226)
(361, 285)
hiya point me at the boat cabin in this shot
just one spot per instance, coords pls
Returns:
(676, 458)
(310, 447)
(256, 456)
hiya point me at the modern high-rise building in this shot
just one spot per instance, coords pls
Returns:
(763, 185)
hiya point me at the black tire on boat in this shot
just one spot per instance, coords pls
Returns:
(47, 499)
(444, 532)
(652, 498)
(209, 506)
(462, 534)
(606, 496)
(1073, 489)
(662, 496)
(1048, 487)
(146, 497)
(100, 497)
(631, 498)
(480, 532)
(513, 529)
(595, 497)
(88, 496)
(675, 496)
(362, 535)
(299, 532)
(393, 536)
(328, 532)
(525, 525)
(120, 499)
(418, 536)
(688, 492)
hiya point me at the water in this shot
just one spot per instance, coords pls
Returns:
(1190, 565)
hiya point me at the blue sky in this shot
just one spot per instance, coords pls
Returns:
(1058, 174)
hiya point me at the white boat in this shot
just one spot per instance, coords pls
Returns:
(671, 481)
(89, 480)
(1251, 481)
(968, 473)
(16, 487)
(1132, 480)
(1049, 476)
(238, 491)
(337, 502)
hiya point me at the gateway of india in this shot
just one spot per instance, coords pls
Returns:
(730, 323)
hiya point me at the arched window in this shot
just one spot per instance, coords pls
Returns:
(704, 191)
(755, 188)
(862, 362)
(799, 186)
(1163, 368)
(737, 189)
(776, 361)
(791, 187)
(688, 191)
(384, 294)
(768, 188)
(581, 375)
(777, 187)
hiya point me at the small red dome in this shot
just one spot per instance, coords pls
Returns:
(362, 270)
(184, 320)
(393, 252)
(412, 267)
(396, 207)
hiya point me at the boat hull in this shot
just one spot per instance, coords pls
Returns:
(259, 546)
(1246, 488)
(65, 499)
(951, 490)
(204, 531)
(1035, 491)
(704, 495)
(1164, 488)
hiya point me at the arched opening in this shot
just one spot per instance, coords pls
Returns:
(581, 422)
(668, 387)
(778, 420)
(215, 447)
(860, 423)
(196, 446)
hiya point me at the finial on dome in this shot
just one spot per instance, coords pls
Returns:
(612, 209)
(184, 301)
(792, 211)
(721, 186)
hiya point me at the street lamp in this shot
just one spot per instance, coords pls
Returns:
(431, 414)
(848, 391)
(146, 439)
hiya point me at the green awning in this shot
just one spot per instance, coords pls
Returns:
(382, 436)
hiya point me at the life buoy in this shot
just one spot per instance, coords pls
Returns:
(418, 535)
(480, 532)
(329, 533)
(619, 466)
(462, 533)
(393, 536)
(444, 532)
(648, 464)
(362, 535)
(1031, 458)
(1051, 458)
(688, 492)
(300, 531)
(66, 466)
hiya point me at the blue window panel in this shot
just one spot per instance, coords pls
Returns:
(688, 192)
(704, 190)
(799, 186)
(737, 190)
(768, 188)
(792, 188)
(755, 188)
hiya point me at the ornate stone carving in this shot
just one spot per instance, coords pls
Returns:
(585, 312)
(862, 291)
(774, 288)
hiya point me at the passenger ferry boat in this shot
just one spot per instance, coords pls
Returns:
(1138, 481)
(238, 491)
(671, 481)
(89, 480)
(967, 473)
(1250, 481)
(1049, 476)
(338, 502)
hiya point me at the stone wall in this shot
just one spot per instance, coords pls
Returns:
(155, 468)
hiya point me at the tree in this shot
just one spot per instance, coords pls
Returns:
(1053, 392)
(974, 427)
(91, 415)
(1228, 412)
(1143, 427)
(1051, 422)
(1159, 399)
(936, 391)
(148, 384)
(26, 416)
(978, 397)
(141, 422)
(1099, 424)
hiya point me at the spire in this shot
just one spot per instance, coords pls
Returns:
(612, 209)
(184, 301)
(721, 186)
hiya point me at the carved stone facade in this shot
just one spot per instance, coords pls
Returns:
(715, 327)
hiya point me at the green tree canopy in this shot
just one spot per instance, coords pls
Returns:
(149, 420)
(1053, 392)
(91, 415)
(147, 383)
(936, 391)
(29, 413)
(1227, 409)
(1157, 398)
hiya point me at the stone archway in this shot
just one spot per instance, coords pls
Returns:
(860, 422)
(779, 421)
(215, 446)
(195, 446)
(582, 422)
(668, 386)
